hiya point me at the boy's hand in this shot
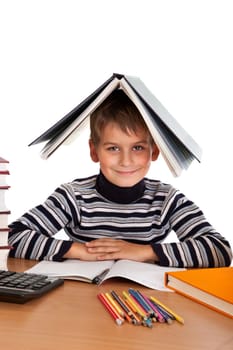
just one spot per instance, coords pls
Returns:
(114, 249)
(80, 251)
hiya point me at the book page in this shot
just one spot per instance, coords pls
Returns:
(170, 157)
(146, 274)
(72, 269)
(165, 116)
(176, 146)
(55, 142)
(149, 275)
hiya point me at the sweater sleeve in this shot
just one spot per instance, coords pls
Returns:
(32, 234)
(199, 244)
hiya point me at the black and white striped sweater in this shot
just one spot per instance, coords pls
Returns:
(91, 208)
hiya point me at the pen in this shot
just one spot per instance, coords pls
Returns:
(177, 317)
(99, 278)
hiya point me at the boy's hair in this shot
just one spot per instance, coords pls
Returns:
(119, 109)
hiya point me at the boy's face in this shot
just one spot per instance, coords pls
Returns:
(124, 158)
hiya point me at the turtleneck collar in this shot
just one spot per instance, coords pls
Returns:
(117, 194)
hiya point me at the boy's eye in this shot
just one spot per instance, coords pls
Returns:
(138, 148)
(113, 148)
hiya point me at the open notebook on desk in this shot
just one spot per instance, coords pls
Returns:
(146, 274)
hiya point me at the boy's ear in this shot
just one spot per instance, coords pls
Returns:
(155, 152)
(93, 152)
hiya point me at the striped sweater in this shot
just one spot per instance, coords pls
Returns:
(85, 214)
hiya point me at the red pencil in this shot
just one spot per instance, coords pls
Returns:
(118, 319)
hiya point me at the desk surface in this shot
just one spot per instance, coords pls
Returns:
(71, 317)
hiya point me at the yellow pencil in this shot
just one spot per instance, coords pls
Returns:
(132, 308)
(129, 315)
(118, 319)
(136, 307)
(136, 319)
(177, 317)
(115, 305)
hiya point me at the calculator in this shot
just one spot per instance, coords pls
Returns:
(20, 287)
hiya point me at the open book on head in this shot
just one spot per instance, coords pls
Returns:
(146, 274)
(176, 146)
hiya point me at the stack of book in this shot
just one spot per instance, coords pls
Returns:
(4, 213)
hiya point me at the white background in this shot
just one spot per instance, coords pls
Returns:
(55, 53)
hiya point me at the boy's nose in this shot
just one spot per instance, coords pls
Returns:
(126, 158)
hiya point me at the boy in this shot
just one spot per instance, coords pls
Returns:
(119, 213)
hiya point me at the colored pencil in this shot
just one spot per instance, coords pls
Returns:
(118, 319)
(128, 314)
(114, 304)
(136, 307)
(177, 317)
(147, 319)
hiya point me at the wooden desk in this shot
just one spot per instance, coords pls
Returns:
(71, 317)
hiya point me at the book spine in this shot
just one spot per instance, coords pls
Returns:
(4, 214)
